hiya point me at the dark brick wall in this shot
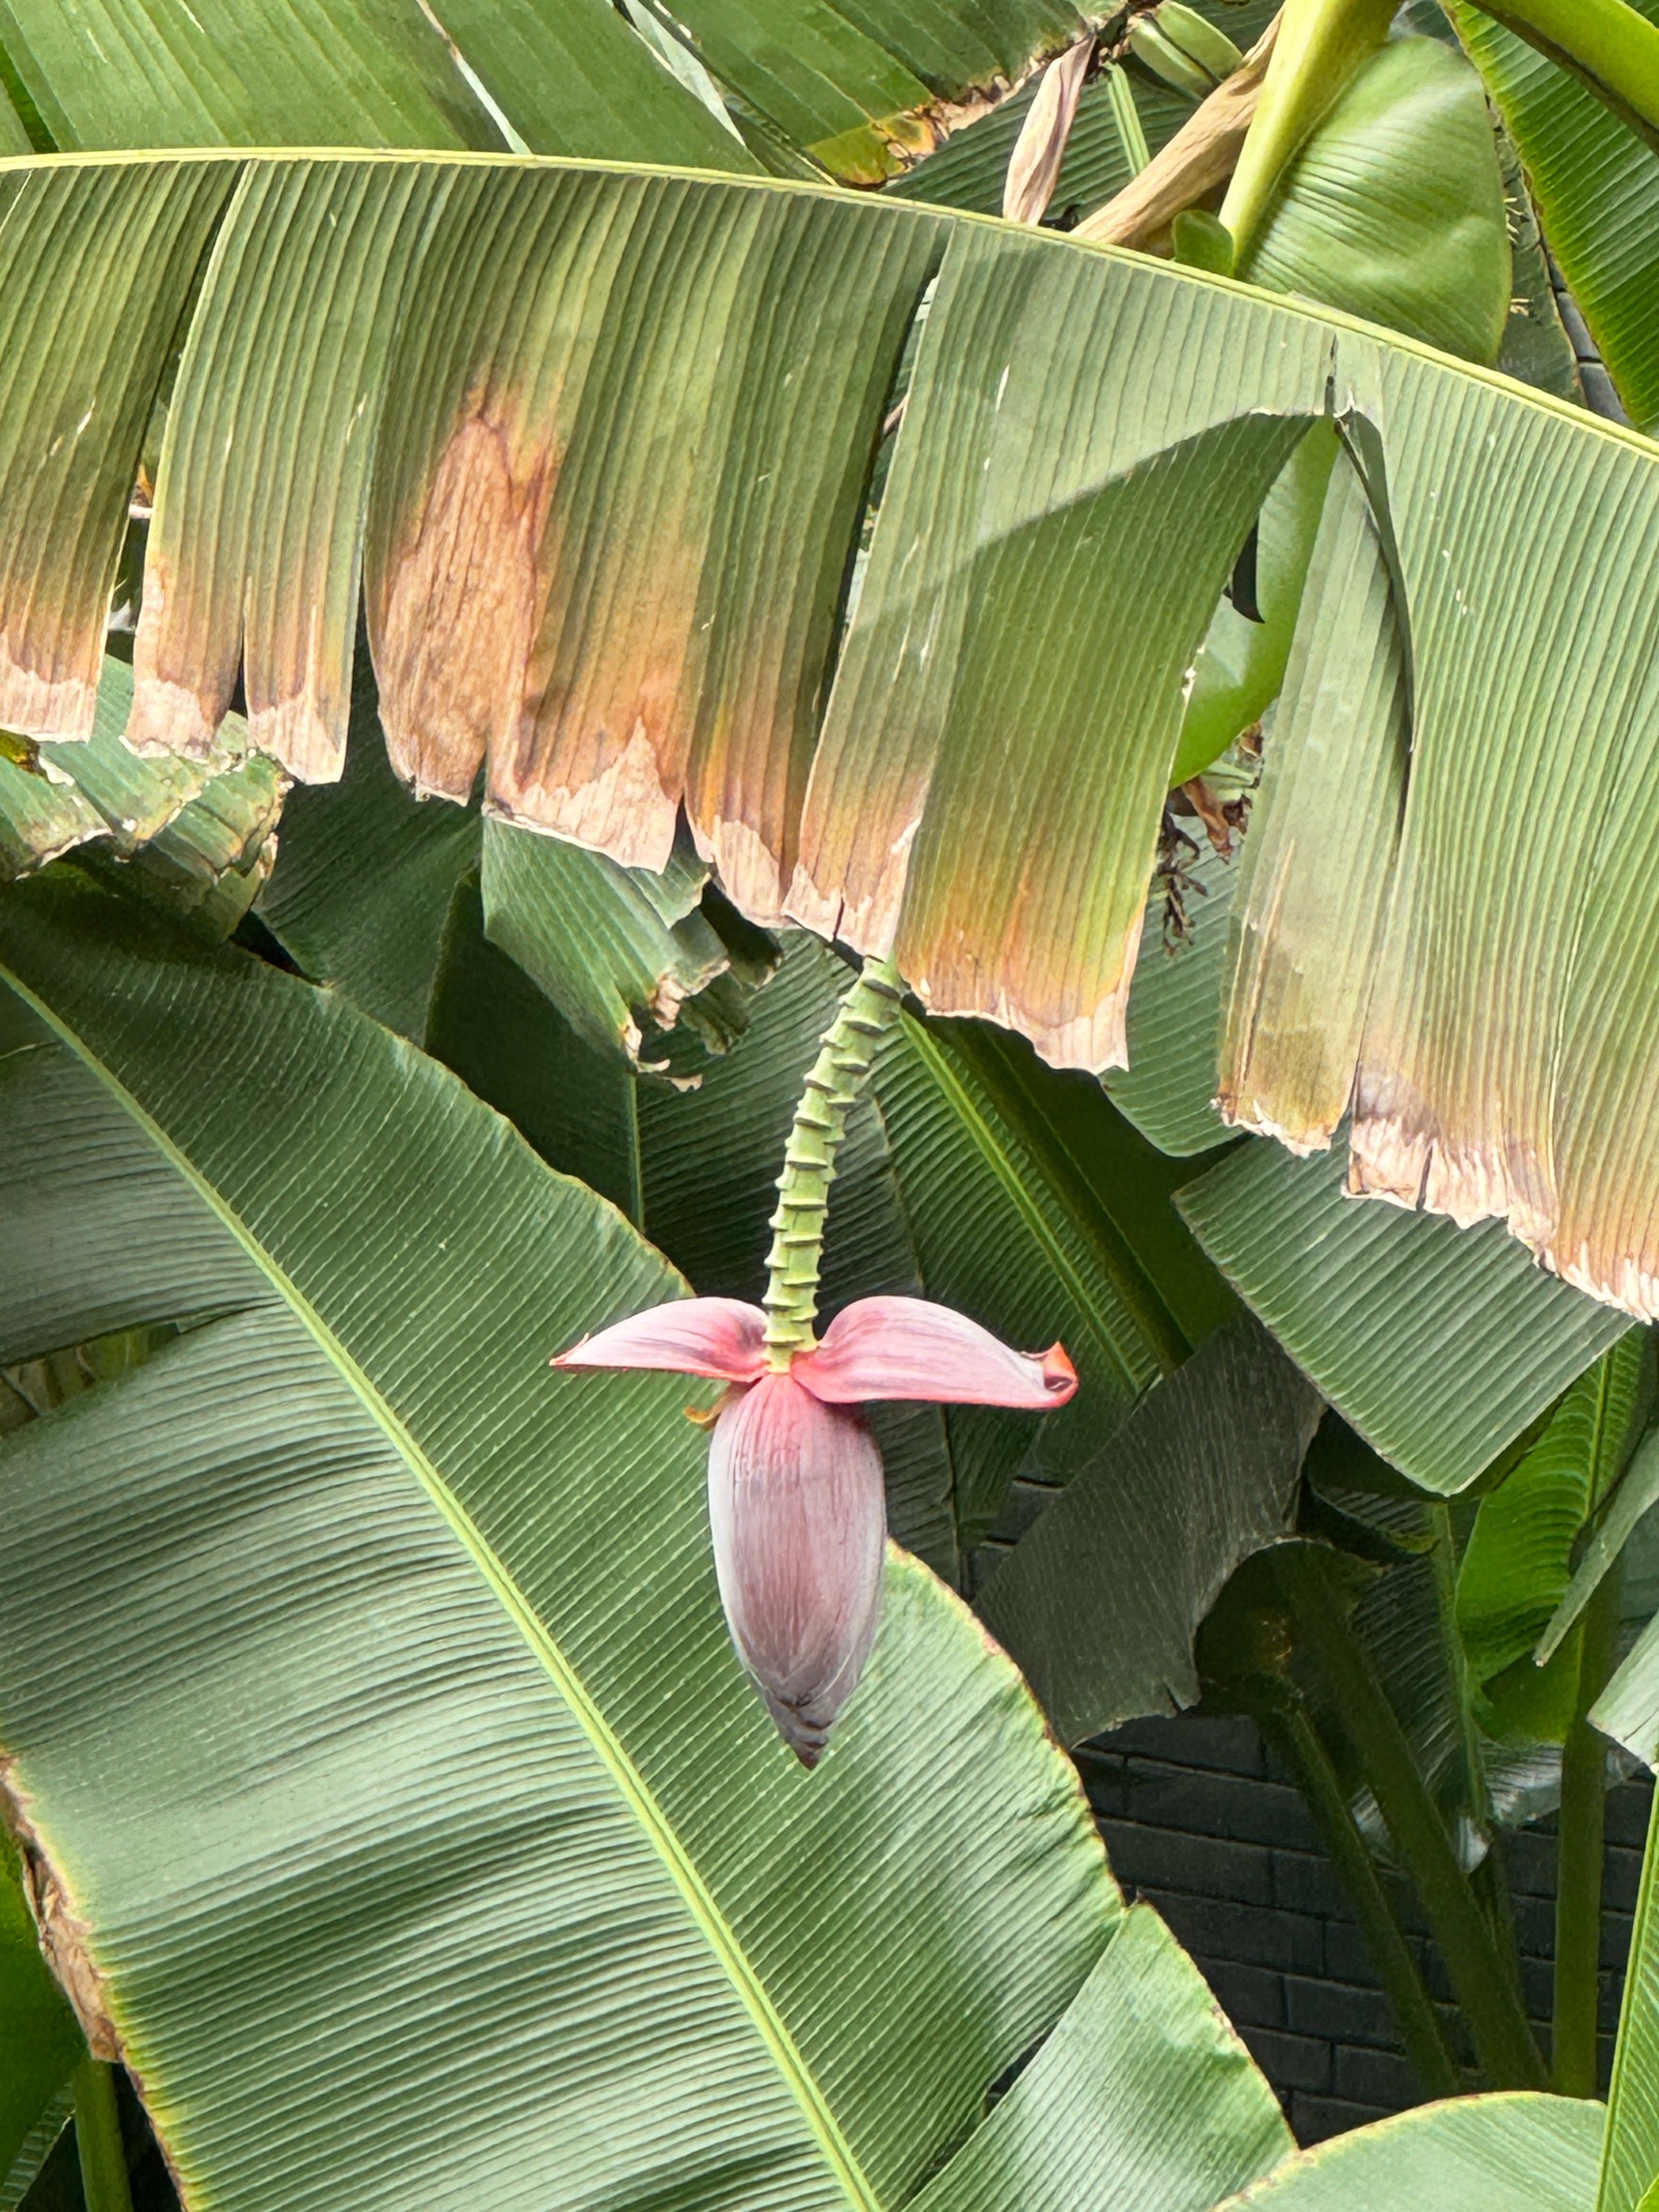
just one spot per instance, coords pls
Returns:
(1198, 1819)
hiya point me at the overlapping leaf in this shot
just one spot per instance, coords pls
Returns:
(565, 76)
(1161, 2068)
(1099, 1602)
(1440, 1348)
(1393, 208)
(1597, 185)
(1304, 936)
(858, 88)
(617, 587)
(1516, 2152)
(1515, 1568)
(355, 1532)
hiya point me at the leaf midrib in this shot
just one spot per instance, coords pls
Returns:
(630, 1783)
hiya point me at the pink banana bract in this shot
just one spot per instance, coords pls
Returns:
(797, 1506)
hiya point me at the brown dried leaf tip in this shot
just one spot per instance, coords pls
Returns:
(62, 1931)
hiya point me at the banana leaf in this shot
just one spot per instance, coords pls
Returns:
(447, 281)
(568, 77)
(1440, 1346)
(1394, 209)
(335, 1640)
(1514, 2152)
(1596, 183)
(1176, 2076)
(1100, 1602)
(1519, 1561)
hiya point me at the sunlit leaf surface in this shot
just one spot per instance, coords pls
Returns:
(622, 427)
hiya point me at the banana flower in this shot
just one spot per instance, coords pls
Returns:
(797, 1506)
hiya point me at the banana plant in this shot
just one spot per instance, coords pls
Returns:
(653, 322)
(428, 1744)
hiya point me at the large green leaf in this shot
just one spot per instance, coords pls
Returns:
(1394, 209)
(1303, 939)
(1440, 1346)
(1515, 2153)
(1100, 1602)
(508, 1042)
(317, 72)
(333, 1646)
(1597, 186)
(853, 83)
(1519, 1561)
(566, 76)
(1174, 1028)
(1175, 2111)
(710, 362)
(363, 881)
(102, 274)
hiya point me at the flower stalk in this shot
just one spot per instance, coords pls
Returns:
(797, 1502)
(870, 1009)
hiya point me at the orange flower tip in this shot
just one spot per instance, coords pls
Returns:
(1058, 1373)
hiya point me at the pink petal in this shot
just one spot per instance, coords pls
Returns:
(911, 1348)
(798, 1515)
(719, 1337)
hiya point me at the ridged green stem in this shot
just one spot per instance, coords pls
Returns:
(1578, 1866)
(868, 1010)
(1486, 1988)
(98, 2139)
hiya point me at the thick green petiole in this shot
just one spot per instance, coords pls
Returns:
(1579, 1870)
(1286, 1726)
(1320, 45)
(98, 2139)
(868, 1010)
(1486, 1988)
